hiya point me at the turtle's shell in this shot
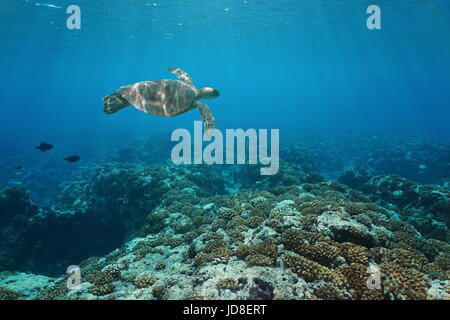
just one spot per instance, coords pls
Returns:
(165, 98)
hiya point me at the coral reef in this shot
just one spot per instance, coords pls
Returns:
(36, 238)
(425, 207)
(180, 232)
(8, 294)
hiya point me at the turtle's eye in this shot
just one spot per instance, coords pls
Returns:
(216, 93)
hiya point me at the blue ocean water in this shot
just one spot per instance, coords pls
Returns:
(306, 65)
(299, 66)
(310, 68)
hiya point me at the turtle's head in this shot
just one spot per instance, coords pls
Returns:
(208, 93)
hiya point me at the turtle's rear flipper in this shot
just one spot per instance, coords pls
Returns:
(113, 103)
(207, 118)
(182, 75)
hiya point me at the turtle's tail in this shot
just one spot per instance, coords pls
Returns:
(113, 103)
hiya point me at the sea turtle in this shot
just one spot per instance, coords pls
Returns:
(165, 98)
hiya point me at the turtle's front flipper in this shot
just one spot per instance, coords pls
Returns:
(182, 75)
(207, 118)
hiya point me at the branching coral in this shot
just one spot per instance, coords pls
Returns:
(356, 276)
(214, 255)
(102, 289)
(264, 254)
(159, 291)
(227, 283)
(329, 292)
(8, 294)
(403, 283)
(143, 281)
(102, 283)
(311, 271)
(354, 253)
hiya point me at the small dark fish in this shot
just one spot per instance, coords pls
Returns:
(19, 168)
(44, 146)
(72, 158)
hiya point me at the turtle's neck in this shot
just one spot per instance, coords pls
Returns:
(201, 93)
(205, 93)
